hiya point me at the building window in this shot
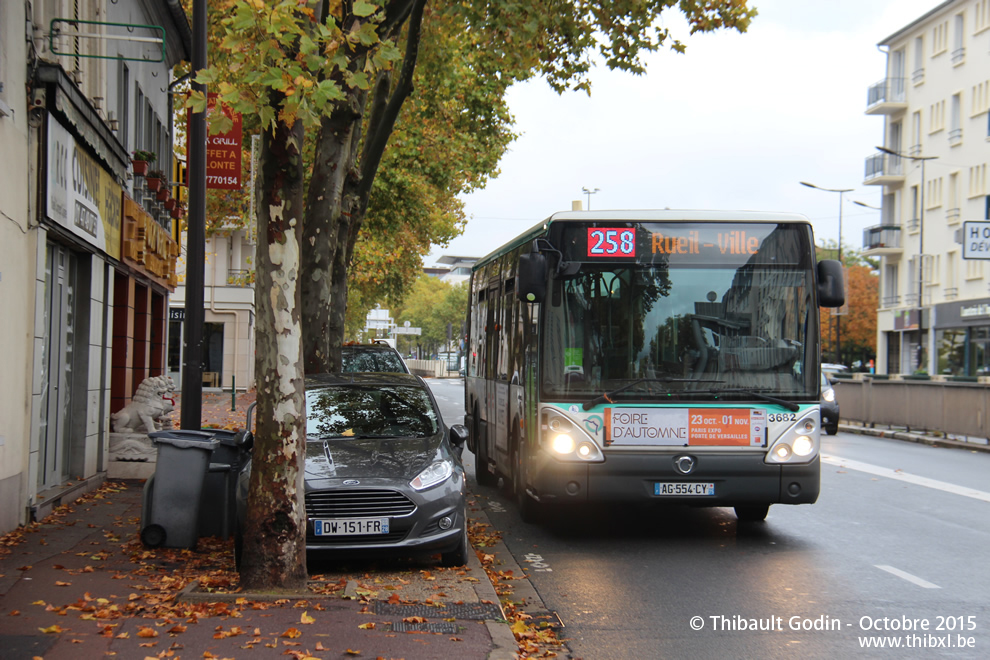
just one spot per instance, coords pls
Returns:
(933, 193)
(918, 75)
(958, 41)
(981, 16)
(955, 121)
(940, 38)
(936, 117)
(977, 181)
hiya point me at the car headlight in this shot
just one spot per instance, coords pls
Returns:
(433, 475)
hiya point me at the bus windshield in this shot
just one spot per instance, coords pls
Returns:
(687, 314)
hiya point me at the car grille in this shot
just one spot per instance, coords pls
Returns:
(357, 503)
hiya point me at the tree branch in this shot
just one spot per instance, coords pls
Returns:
(378, 134)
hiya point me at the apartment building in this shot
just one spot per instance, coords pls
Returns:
(934, 314)
(87, 249)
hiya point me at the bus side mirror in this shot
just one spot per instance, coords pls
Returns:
(831, 289)
(531, 278)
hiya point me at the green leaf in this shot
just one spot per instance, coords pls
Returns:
(359, 80)
(362, 8)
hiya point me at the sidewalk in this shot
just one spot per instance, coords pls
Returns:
(81, 585)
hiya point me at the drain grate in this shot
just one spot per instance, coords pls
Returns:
(470, 611)
(442, 627)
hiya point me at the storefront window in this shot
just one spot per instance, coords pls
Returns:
(951, 346)
(979, 352)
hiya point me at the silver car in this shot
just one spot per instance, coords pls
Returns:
(383, 473)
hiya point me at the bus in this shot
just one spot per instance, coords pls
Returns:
(650, 356)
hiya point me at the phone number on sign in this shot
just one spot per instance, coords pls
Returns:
(222, 180)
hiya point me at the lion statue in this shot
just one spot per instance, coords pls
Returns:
(151, 402)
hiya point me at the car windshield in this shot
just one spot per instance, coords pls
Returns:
(379, 411)
(371, 359)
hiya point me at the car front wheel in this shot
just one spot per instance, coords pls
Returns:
(459, 555)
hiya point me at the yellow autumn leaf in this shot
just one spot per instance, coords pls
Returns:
(292, 633)
(520, 627)
(366, 626)
(51, 629)
(306, 618)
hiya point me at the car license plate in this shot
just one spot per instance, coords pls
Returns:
(681, 489)
(350, 526)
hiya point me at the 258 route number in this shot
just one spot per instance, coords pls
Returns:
(618, 242)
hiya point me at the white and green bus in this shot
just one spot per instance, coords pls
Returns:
(667, 356)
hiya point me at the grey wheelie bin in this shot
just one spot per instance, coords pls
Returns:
(217, 507)
(171, 506)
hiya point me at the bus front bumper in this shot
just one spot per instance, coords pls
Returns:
(634, 477)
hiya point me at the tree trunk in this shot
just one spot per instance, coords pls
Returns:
(274, 537)
(333, 169)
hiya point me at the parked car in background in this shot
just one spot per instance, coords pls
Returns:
(829, 407)
(830, 370)
(378, 356)
(383, 473)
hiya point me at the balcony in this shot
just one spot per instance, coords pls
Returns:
(884, 170)
(886, 97)
(882, 240)
(891, 301)
(955, 137)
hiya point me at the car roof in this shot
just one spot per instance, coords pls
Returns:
(380, 347)
(371, 378)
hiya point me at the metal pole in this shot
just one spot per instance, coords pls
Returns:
(838, 317)
(921, 266)
(192, 354)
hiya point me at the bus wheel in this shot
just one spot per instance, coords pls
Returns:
(752, 512)
(481, 473)
(529, 509)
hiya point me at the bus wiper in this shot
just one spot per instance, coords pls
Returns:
(607, 396)
(790, 405)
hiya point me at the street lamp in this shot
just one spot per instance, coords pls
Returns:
(921, 240)
(838, 317)
(868, 206)
(589, 193)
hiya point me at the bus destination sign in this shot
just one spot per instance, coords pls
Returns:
(611, 242)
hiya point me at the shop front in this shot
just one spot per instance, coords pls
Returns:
(962, 338)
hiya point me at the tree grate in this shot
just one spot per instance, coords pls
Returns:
(471, 611)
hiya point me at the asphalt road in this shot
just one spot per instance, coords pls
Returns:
(898, 540)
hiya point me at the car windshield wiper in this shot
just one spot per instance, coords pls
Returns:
(790, 405)
(607, 396)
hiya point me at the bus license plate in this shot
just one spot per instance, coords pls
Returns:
(351, 526)
(683, 489)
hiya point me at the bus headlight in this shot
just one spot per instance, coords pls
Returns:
(798, 443)
(803, 445)
(563, 444)
(567, 439)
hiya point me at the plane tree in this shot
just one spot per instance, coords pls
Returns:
(334, 76)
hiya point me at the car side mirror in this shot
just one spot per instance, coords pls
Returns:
(458, 435)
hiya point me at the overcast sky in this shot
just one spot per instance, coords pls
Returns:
(734, 123)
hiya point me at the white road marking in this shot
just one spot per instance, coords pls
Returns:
(914, 579)
(905, 476)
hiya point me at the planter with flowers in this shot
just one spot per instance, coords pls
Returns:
(163, 194)
(154, 180)
(177, 211)
(142, 159)
(170, 203)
